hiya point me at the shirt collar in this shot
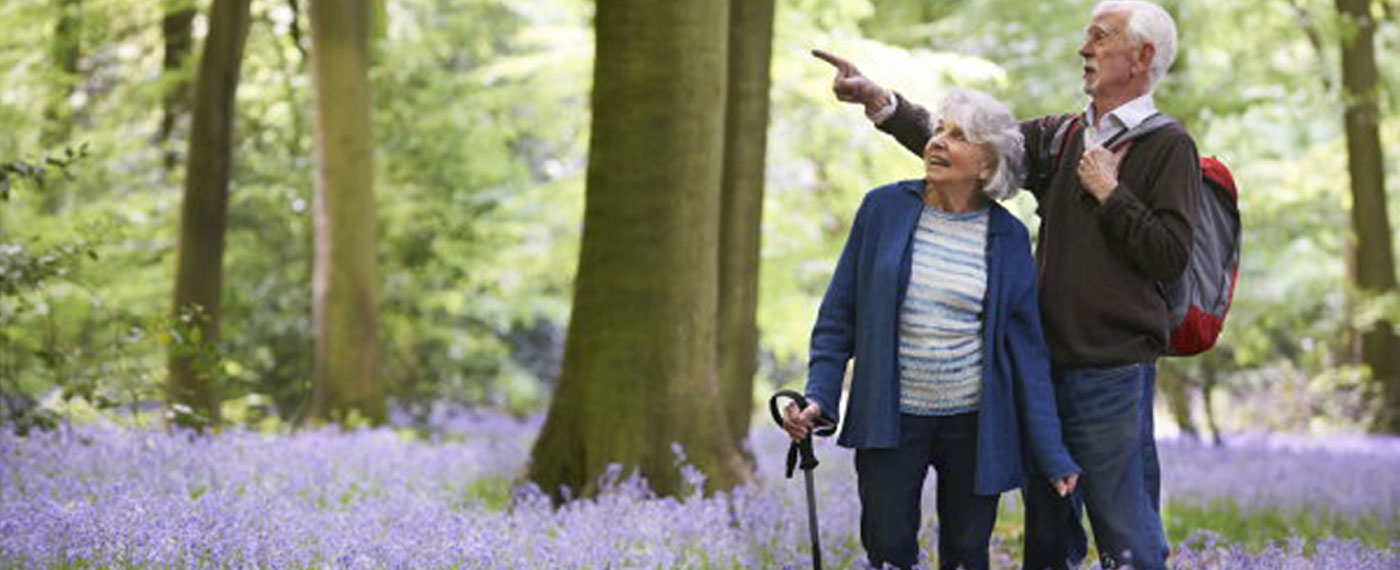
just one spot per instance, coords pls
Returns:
(1128, 115)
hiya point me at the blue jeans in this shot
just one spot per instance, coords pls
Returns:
(890, 482)
(1106, 415)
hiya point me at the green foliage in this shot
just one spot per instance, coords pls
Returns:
(481, 126)
(37, 171)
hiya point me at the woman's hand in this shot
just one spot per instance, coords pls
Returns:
(798, 423)
(1065, 485)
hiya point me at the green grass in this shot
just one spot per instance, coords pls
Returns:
(1256, 528)
(1252, 529)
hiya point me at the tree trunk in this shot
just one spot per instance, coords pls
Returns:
(1375, 260)
(1174, 381)
(1208, 384)
(199, 273)
(176, 27)
(639, 369)
(741, 206)
(65, 51)
(345, 375)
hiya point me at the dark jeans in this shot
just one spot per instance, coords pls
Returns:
(891, 481)
(1106, 414)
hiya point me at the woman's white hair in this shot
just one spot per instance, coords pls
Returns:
(1148, 23)
(988, 123)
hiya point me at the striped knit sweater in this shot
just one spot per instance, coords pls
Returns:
(940, 321)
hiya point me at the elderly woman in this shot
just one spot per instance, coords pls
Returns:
(934, 296)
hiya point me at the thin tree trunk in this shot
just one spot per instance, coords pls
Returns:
(199, 272)
(741, 206)
(177, 30)
(346, 376)
(65, 51)
(1208, 384)
(1174, 382)
(639, 369)
(1375, 258)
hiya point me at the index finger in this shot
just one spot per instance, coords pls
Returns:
(841, 65)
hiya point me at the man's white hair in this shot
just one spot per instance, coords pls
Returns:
(987, 122)
(1148, 23)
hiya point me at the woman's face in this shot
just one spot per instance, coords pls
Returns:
(950, 160)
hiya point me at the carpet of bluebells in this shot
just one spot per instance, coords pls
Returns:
(97, 496)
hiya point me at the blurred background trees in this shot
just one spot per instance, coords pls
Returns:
(479, 115)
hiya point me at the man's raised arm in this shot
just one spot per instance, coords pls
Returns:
(907, 122)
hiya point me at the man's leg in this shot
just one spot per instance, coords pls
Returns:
(1054, 536)
(1152, 469)
(965, 519)
(890, 482)
(1102, 411)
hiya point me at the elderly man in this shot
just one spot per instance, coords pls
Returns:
(1115, 222)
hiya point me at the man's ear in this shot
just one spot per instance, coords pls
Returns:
(1145, 55)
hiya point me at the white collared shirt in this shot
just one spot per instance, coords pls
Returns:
(1126, 116)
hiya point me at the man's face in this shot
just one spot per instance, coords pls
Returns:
(1113, 68)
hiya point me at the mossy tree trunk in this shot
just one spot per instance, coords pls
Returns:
(199, 271)
(741, 206)
(639, 369)
(345, 377)
(1375, 258)
(65, 53)
(176, 29)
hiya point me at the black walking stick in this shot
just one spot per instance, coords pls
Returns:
(809, 462)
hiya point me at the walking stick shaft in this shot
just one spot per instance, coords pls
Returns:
(812, 522)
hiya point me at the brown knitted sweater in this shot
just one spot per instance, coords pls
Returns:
(1100, 264)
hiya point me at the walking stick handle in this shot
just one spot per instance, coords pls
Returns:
(809, 462)
(802, 448)
(824, 425)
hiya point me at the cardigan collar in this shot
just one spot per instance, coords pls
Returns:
(999, 220)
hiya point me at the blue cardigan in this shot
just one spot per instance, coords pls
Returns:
(859, 317)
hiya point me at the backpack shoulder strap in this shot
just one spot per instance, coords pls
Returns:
(1148, 125)
(1048, 151)
(1063, 132)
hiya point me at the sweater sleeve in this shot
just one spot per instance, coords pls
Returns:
(834, 334)
(1152, 227)
(909, 125)
(1035, 396)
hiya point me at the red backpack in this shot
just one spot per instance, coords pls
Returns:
(1199, 300)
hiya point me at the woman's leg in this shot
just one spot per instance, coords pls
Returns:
(890, 482)
(965, 519)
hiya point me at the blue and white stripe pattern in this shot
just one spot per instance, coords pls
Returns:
(940, 322)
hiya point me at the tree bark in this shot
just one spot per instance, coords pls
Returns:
(1375, 267)
(65, 51)
(199, 270)
(1174, 381)
(345, 376)
(177, 30)
(639, 369)
(741, 206)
